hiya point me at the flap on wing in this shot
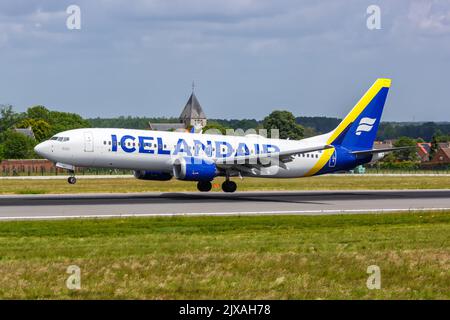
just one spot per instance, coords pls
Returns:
(273, 155)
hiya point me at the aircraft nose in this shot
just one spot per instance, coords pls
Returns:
(41, 149)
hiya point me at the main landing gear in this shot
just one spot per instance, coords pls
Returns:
(72, 179)
(204, 186)
(227, 186)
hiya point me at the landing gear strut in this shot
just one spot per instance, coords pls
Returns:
(72, 179)
(204, 186)
(229, 186)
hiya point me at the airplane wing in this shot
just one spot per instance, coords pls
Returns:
(259, 159)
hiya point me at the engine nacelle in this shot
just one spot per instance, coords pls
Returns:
(194, 169)
(152, 175)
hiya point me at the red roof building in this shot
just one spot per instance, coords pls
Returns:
(423, 150)
(442, 156)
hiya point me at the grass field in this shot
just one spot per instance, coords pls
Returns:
(331, 182)
(264, 257)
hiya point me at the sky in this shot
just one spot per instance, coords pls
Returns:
(247, 57)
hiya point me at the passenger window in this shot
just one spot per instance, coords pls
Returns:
(109, 142)
(104, 142)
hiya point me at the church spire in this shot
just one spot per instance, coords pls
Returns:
(193, 114)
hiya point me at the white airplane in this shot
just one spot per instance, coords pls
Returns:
(157, 155)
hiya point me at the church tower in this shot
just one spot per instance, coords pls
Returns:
(192, 114)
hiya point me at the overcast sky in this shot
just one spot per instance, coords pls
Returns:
(247, 57)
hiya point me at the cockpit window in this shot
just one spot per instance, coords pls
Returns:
(60, 139)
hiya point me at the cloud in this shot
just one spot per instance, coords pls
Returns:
(430, 18)
(264, 52)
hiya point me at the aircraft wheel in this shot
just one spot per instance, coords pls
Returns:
(72, 180)
(229, 186)
(204, 186)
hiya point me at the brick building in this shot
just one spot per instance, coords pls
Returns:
(26, 166)
(442, 156)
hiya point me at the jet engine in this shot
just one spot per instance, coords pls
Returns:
(194, 169)
(152, 175)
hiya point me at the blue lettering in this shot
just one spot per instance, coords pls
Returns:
(242, 150)
(229, 149)
(143, 144)
(182, 146)
(161, 149)
(124, 144)
(206, 148)
(256, 148)
(114, 143)
(267, 147)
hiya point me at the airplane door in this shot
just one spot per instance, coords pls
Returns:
(88, 142)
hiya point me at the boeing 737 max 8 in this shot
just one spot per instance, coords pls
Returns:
(157, 155)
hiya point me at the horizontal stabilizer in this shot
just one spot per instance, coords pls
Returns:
(372, 151)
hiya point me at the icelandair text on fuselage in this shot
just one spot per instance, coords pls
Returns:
(156, 145)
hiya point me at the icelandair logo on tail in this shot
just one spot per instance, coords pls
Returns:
(366, 124)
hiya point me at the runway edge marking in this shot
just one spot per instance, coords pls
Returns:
(197, 214)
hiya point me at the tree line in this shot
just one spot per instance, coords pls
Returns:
(46, 123)
(386, 130)
(311, 125)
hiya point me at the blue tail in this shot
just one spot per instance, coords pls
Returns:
(359, 128)
(357, 132)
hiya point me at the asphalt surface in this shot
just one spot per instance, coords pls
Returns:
(240, 203)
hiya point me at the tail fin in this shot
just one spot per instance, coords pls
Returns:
(359, 128)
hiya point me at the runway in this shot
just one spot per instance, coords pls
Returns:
(17, 207)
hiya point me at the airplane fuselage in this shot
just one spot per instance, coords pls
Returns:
(157, 150)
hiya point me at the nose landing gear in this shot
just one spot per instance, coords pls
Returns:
(72, 179)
